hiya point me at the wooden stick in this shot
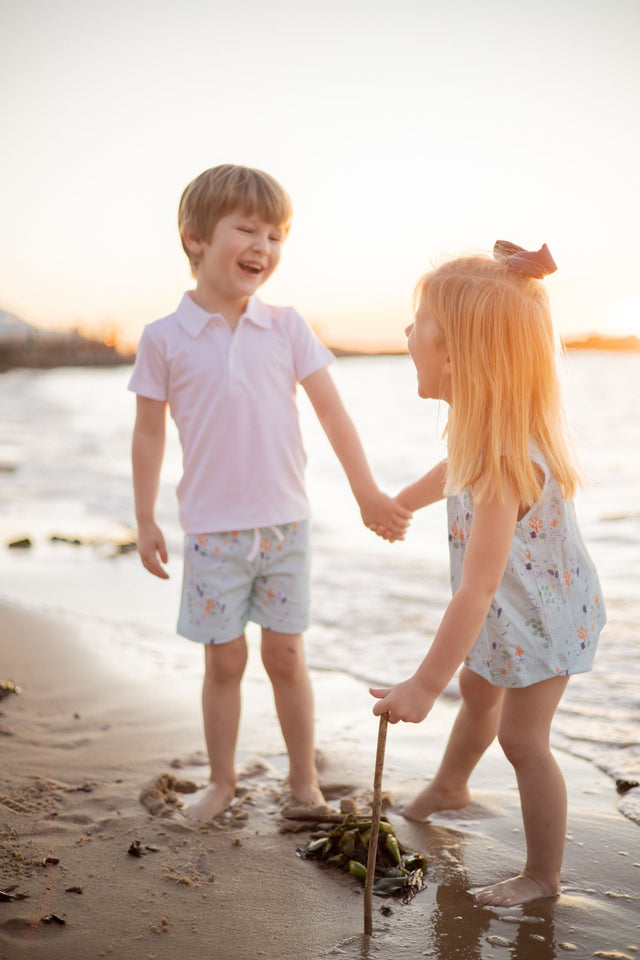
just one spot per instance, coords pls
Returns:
(375, 823)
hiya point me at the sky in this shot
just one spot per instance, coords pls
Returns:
(404, 131)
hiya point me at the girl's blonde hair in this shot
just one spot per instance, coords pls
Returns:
(223, 189)
(505, 388)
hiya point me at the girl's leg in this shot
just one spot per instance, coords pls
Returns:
(224, 667)
(284, 661)
(525, 726)
(474, 729)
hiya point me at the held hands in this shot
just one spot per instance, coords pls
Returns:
(385, 516)
(152, 549)
(408, 701)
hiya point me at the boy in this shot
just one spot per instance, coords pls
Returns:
(228, 365)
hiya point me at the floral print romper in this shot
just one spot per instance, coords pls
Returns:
(546, 616)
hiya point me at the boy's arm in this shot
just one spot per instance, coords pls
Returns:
(147, 451)
(426, 490)
(377, 509)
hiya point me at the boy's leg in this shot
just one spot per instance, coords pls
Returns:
(284, 660)
(474, 729)
(224, 667)
(525, 726)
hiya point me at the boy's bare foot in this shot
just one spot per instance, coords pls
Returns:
(304, 801)
(305, 792)
(214, 800)
(513, 892)
(432, 799)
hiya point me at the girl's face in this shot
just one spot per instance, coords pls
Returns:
(428, 350)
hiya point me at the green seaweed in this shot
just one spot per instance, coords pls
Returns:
(398, 872)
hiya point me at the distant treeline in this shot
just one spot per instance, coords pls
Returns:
(591, 342)
(73, 349)
(596, 342)
(46, 350)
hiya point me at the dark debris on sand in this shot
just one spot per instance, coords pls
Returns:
(398, 872)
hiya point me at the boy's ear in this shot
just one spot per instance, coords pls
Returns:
(193, 244)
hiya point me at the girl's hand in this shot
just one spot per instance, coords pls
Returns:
(383, 533)
(385, 516)
(408, 701)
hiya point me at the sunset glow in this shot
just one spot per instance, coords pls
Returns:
(402, 132)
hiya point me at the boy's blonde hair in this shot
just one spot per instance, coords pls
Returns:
(221, 190)
(505, 385)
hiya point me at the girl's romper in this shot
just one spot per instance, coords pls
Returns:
(546, 616)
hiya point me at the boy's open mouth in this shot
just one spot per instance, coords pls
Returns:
(253, 268)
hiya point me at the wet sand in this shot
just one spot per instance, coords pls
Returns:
(92, 729)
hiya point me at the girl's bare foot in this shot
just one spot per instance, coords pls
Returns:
(214, 800)
(432, 799)
(513, 892)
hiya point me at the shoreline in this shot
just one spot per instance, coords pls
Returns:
(92, 727)
(47, 350)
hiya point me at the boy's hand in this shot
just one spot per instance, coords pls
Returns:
(385, 516)
(152, 549)
(408, 701)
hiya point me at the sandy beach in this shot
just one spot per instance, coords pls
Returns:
(88, 870)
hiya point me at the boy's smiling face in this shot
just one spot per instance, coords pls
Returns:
(241, 255)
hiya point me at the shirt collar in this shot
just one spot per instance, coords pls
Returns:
(194, 319)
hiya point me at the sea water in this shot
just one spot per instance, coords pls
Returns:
(65, 439)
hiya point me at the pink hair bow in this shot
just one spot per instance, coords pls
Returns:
(528, 263)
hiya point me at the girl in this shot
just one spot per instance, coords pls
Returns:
(527, 608)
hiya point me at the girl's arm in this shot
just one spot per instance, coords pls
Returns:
(377, 509)
(426, 490)
(482, 570)
(423, 492)
(147, 451)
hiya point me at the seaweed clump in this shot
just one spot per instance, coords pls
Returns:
(398, 872)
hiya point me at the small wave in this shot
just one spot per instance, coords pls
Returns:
(629, 805)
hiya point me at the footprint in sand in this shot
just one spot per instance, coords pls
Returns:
(36, 928)
(190, 871)
(40, 797)
(196, 759)
(161, 796)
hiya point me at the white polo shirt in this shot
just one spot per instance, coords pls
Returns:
(232, 395)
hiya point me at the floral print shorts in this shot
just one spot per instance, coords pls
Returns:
(230, 578)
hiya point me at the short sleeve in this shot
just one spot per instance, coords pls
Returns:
(309, 353)
(150, 377)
